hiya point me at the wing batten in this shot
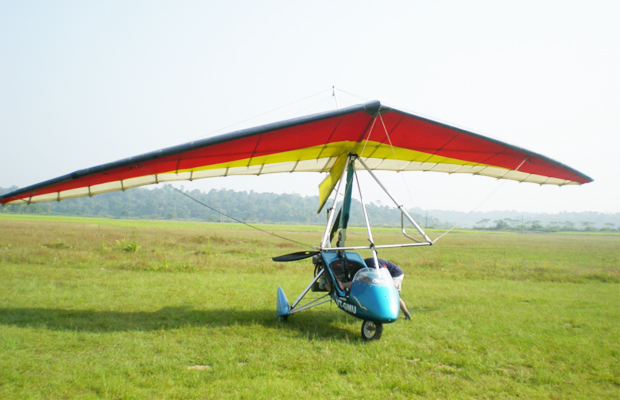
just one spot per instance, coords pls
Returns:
(331, 135)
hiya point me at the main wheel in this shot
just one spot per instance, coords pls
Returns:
(371, 330)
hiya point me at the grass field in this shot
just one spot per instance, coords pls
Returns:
(117, 309)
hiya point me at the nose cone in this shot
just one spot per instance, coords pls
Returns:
(377, 303)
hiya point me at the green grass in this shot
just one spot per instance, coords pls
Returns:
(190, 314)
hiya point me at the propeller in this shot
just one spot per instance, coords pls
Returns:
(300, 255)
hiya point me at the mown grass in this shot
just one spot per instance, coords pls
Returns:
(190, 314)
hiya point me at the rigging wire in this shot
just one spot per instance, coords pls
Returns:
(396, 157)
(448, 122)
(260, 115)
(335, 97)
(392, 147)
(353, 95)
(374, 121)
(481, 203)
(168, 184)
(472, 211)
(393, 152)
(314, 106)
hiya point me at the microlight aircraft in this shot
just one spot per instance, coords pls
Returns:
(368, 137)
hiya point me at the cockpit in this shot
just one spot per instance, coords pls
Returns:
(374, 277)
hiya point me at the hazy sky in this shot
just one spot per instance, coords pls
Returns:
(85, 83)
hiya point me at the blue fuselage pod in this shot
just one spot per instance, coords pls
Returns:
(374, 295)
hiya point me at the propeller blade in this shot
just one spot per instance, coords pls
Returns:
(300, 255)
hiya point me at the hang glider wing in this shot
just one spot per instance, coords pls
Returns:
(385, 138)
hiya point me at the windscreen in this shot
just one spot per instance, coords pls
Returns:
(375, 277)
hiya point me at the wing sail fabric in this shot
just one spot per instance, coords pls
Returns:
(385, 138)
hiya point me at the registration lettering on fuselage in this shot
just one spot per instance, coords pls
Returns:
(346, 306)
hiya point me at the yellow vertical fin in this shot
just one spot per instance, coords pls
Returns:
(329, 183)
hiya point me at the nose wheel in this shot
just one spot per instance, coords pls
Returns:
(371, 330)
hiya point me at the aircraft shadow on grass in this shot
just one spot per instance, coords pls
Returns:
(315, 326)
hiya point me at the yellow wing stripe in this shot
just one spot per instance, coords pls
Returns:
(373, 150)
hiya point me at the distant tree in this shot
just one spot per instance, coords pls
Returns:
(502, 224)
(568, 226)
(534, 225)
(553, 227)
(588, 226)
(482, 224)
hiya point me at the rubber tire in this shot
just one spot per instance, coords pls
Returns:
(371, 330)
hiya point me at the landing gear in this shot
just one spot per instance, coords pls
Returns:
(371, 330)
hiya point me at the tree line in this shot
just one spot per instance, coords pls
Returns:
(511, 224)
(166, 202)
(213, 206)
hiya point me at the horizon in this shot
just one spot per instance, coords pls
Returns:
(435, 213)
